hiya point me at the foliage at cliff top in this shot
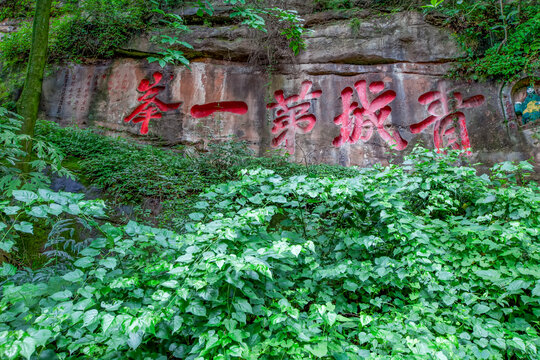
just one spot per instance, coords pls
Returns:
(500, 37)
(422, 260)
(91, 29)
(501, 42)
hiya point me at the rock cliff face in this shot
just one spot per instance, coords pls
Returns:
(358, 95)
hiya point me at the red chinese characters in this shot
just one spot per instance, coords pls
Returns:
(292, 115)
(359, 121)
(151, 107)
(450, 128)
(235, 107)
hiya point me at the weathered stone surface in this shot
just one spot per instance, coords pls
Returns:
(370, 39)
(230, 43)
(106, 95)
(400, 37)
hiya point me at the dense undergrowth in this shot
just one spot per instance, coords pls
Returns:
(424, 260)
(133, 173)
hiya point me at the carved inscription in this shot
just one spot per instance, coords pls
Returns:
(449, 122)
(151, 107)
(359, 120)
(292, 115)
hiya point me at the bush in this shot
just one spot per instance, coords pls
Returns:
(98, 28)
(16, 9)
(92, 30)
(499, 45)
(13, 156)
(427, 260)
(17, 231)
(130, 172)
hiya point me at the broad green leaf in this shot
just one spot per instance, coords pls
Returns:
(481, 309)
(488, 199)
(135, 339)
(89, 317)
(185, 258)
(24, 227)
(518, 285)
(62, 295)
(55, 209)
(25, 196)
(28, 347)
(177, 323)
(242, 305)
(331, 318)
(365, 319)
(11, 210)
(196, 216)
(6, 245)
(320, 350)
(196, 308)
(39, 211)
(445, 275)
(90, 252)
(109, 262)
(203, 205)
(440, 356)
(518, 344)
(74, 276)
(84, 262)
(132, 228)
(172, 284)
(536, 290)
(106, 322)
(40, 336)
(7, 269)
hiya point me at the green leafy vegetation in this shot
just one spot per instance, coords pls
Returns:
(11, 151)
(227, 256)
(424, 260)
(500, 37)
(131, 173)
(94, 29)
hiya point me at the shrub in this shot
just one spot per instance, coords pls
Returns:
(427, 260)
(130, 172)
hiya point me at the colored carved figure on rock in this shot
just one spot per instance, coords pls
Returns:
(449, 123)
(151, 107)
(529, 109)
(235, 107)
(358, 121)
(292, 115)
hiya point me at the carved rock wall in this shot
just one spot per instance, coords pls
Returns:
(353, 97)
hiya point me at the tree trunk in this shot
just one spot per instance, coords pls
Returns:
(28, 105)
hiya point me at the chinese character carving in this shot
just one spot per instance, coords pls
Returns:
(235, 107)
(292, 115)
(359, 121)
(449, 123)
(151, 107)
